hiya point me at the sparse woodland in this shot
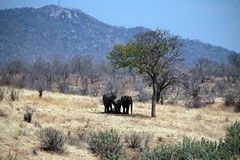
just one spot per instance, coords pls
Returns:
(196, 106)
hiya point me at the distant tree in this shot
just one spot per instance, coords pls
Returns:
(234, 70)
(234, 59)
(81, 68)
(63, 73)
(41, 76)
(168, 77)
(151, 53)
(204, 68)
(14, 67)
(13, 73)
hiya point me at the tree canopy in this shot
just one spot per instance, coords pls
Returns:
(151, 52)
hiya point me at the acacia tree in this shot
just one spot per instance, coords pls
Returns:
(151, 53)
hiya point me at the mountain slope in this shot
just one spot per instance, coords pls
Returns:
(54, 32)
(195, 49)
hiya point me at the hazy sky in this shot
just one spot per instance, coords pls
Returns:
(213, 21)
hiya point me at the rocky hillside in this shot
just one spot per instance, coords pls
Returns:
(54, 32)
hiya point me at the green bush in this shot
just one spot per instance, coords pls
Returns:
(107, 144)
(229, 148)
(162, 152)
(232, 140)
(188, 149)
(52, 140)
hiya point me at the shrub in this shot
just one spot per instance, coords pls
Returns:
(237, 106)
(188, 149)
(28, 115)
(232, 140)
(73, 140)
(195, 102)
(40, 91)
(228, 148)
(1, 93)
(203, 149)
(52, 140)
(229, 99)
(13, 93)
(107, 144)
(134, 140)
(233, 99)
(3, 113)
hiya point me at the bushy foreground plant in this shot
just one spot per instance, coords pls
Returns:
(52, 140)
(134, 141)
(137, 141)
(232, 140)
(228, 148)
(107, 144)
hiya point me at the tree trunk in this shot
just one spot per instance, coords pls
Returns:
(154, 95)
(158, 95)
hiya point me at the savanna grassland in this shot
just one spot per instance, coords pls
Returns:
(82, 116)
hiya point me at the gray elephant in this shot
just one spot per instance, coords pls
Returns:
(117, 105)
(107, 102)
(126, 102)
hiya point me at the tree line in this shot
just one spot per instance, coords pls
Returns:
(151, 66)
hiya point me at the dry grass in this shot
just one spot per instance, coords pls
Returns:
(79, 115)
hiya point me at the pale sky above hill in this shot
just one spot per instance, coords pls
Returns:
(213, 21)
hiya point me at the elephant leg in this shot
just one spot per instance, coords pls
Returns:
(117, 109)
(127, 109)
(111, 108)
(106, 108)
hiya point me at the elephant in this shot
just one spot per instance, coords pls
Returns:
(126, 101)
(117, 105)
(107, 102)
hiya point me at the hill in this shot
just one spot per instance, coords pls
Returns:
(55, 32)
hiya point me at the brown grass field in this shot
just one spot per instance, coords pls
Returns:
(81, 115)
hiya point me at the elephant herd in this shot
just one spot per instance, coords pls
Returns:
(110, 99)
